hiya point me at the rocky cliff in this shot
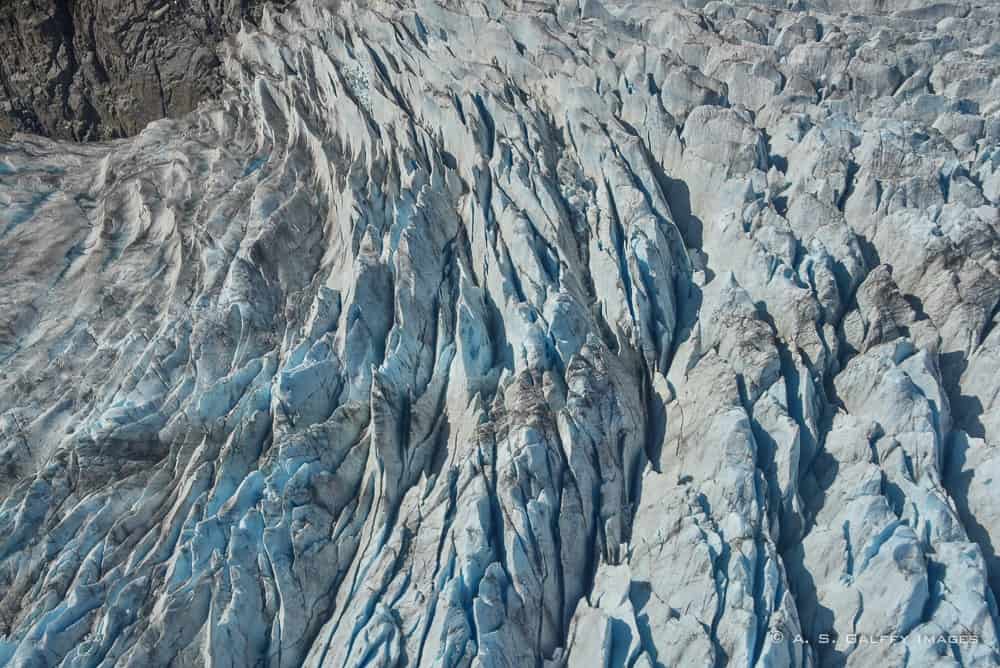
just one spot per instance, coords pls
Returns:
(98, 69)
(531, 334)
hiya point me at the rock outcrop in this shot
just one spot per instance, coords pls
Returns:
(100, 69)
(624, 334)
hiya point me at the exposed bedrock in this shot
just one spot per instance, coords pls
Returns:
(98, 69)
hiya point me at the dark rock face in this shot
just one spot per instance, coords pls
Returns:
(99, 69)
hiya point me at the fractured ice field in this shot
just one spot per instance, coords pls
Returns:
(494, 334)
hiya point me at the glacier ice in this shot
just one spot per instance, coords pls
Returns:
(505, 334)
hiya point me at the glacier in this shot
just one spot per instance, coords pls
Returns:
(591, 333)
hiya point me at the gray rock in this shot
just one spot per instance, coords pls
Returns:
(98, 69)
